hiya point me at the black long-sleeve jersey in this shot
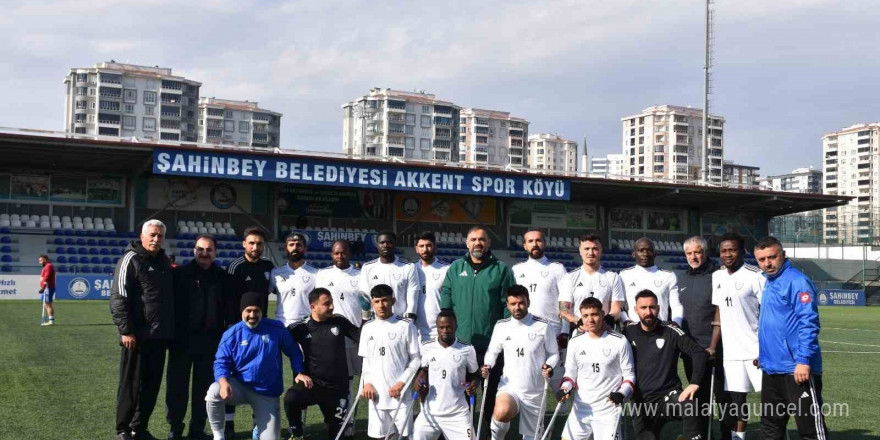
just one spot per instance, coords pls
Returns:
(656, 355)
(323, 345)
(244, 277)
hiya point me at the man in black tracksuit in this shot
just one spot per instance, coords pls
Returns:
(201, 303)
(142, 306)
(656, 347)
(700, 322)
(322, 338)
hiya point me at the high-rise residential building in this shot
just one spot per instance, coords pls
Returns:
(389, 122)
(493, 138)
(241, 123)
(803, 180)
(740, 176)
(666, 141)
(127, 100)
(611, 165)
(551, 152)
(850, 161)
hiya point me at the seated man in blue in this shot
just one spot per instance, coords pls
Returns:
(248, 369)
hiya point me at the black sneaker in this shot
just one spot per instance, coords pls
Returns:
(229, 430)
(123, 436)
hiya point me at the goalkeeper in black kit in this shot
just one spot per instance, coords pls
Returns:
(656, 347)
(322, 337)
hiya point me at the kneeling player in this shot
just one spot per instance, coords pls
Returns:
(599, 368)
(390, 347)
(449, 367)
(530, 352)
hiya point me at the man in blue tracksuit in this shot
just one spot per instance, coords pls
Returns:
(790, 357)
(248, 369)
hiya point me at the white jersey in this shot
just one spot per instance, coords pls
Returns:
(599, 366)
(390, 349)
(345, 287)
(431, 280)
(527, 345)
(293, 288)
(579, 285)
(447, 375)
(662, 282)
(400, 275)
(542, 277)
(738, 297)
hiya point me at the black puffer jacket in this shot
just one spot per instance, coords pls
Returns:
(201, 300)
(142, 294)
(695, 294)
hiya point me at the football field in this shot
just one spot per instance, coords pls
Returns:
(59, 382)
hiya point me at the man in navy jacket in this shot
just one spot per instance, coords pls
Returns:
(248, 369)
(790, 357)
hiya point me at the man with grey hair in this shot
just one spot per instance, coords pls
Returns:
(142, 306)
(699, 322)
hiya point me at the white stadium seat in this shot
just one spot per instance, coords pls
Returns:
(16, 223)
(31, 224)
(4, 223)
(227, 225)
(4, 216)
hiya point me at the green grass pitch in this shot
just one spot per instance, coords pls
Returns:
(60, 381)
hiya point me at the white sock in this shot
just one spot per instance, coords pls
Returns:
(229, 417)
(499, 429)
(218, 435)
(738, 435)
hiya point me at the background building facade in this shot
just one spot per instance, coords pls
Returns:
(551, 152)
(392, 123)
(738, 175)
(803, 180)
(665, 142)
(850, 164)
(241, 123)
(127, 100)
(610, 165)
(493, 137)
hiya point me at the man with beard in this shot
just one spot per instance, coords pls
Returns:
(393, 271)
(476, 289)
(323, 337)
(142, 306)
(248, 273)
(700, 322)
(656, 347)
(543, 279)
(431, 272)
(293, 281)
(248, 369)
(530, 353)
(591, 281)
(47, 287)
(645, 275)
(201, 308)
(449, 371)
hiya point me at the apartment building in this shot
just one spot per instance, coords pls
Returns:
(127, 100)
(551, 152)
(665, 141)
(241, 123)
(803, 180)
(401, 124)
(740, 176)
(610, 165)
(850, 165)
(493, 137)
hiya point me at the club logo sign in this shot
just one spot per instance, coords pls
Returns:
(606, 352)
(660, 343)
(79, 288)
(658, 283)
(738, 286)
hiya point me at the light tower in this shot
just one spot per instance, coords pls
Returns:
(707, 90)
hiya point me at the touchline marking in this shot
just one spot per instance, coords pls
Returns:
(852, 329)
(851, 352)
(848, 343)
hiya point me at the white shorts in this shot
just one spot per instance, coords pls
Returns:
(741, 376)
(454, 426)
(528, 408)
(379, 421)
(599, 427)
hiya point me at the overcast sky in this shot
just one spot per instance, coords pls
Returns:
(785, 71)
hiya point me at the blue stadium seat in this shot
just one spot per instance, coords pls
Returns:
(92, 242)
(59, 240)
(83, 260)
(6, 268)
(69, 241)
(61, 259)
(80, 241)
(102, 242)
(93, 251)
(106, 260)
(104, 251)
(71, 250)
(222, 254)
(115, 251)
(68, 232)
(6, 249)
(85, 269)
(108, 269)
(82, 251)
(6, 259)
(97, 269)
(95, 260)
(62, 269)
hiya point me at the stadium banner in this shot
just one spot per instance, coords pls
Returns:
(311, 171)
(68, 189)
(19, 286)
(841, 297)
(82, 286)
(296, 200)
(553, 215)
(447, 209)
(323, 240)
(29, 187)
(197, 195)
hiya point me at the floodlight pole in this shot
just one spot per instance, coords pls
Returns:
(704, 165)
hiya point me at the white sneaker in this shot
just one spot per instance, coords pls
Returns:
(51, 321)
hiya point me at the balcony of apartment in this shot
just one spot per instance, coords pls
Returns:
(515, 152)
(481, 121)
(864, 166)
(442, 145)
(166, 124)
(213, 123)
(260, 138)
(110, 93)
(172, 86)
(111, 106)
(260, 128)
(171, 112)
(166, 136)
(444, 121)
(516, 143)
(442, 110)
(108, 131)
(110, 79)
(396, 106)
(682, 140)
(516, 161)
(215, 113)
(680, 149)
(442, 133)
(109, 119)
(214, 135)
(715, 152)
(393, 117)
(481, 158)
(170, 98)
(395, 150)
(394, 129)
(866, 182)
(515, 132)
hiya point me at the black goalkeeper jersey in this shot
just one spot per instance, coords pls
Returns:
(245, 276)
(656, 359)
(323, 345)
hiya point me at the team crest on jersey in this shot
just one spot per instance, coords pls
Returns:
(544, 273)
(533, 336)
(456, 357)
(335, 331)
(660, 343)
(265, 338)
(738, 286)
(606, 352)
(354, 283)
(396, 276)
(436, 275)
(392, 335)
(343, 403)
(306, 278)
(658, 283)
(602, 282)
